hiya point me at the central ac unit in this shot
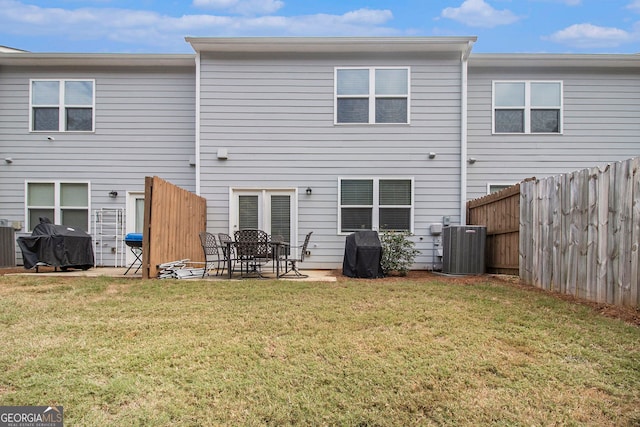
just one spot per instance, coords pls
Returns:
(464, 249)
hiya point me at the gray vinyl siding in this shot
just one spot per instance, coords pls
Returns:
(275, 116)
(601, 125)
(144, 126)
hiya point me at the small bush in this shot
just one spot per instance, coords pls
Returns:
(398, 253)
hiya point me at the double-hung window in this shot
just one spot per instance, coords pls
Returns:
(372, 95)
(527, 107)
(384, 204)
(65, 203)
(62, 105)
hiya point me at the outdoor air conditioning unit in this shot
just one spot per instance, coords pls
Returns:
(7, 245)
(463, 249)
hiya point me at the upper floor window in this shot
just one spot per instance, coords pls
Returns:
(62, 105)
(527, 107)
(372, 95)
(65, 203)
(375, 204)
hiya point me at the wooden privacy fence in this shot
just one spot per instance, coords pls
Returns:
(173, 217)
(500, 213)
(580, 233)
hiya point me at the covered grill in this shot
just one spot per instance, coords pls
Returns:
(362, 255)
(56, 246)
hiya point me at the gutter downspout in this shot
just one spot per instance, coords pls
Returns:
(197, 123)
(463, 133)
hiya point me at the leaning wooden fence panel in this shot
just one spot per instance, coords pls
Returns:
(580, 233)
(499, 212)
(173, 218)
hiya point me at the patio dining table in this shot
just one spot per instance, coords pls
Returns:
(279, 256)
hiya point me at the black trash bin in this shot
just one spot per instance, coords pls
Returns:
(362, 255)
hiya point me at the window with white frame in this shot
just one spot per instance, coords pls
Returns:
(65, 203)
(62, 105)
(372, 95)
(384, 204)
(527, 107)
(495, 187)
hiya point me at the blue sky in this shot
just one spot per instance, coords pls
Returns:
(159, 26)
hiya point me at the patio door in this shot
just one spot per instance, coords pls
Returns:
(270, 210)
(135, 217)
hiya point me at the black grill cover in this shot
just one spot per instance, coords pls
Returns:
(57, 246)
(362, 255)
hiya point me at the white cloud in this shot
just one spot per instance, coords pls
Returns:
(478, 13)
(152, 31)
(243, 7)
(591, 36)
(634, 5)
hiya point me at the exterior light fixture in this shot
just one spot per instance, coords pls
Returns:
(309, 191)
(472, 160)
(432, 155)
(50, 138)
(113, 194)
(8, 160)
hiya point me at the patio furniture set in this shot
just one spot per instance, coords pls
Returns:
(248, 252)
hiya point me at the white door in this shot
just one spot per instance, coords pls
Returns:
(270, 210)
(135, 217)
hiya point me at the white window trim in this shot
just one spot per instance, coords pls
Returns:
(62, 122)
(527, 107)
(375, 218)
(371, 96)
(508, 184)
(57, 208)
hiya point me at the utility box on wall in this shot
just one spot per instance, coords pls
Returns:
(464, 249)
(7, 247)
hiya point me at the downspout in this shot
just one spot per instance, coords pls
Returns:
(197, 124)
(463, 134)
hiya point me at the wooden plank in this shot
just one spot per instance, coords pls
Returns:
(526, 231)
(546, 245)
(556, 230)
(582, 223)
(593, 178)
(634, 297)
(612, 236)
(604, 183)
(626, 228)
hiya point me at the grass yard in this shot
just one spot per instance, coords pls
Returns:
(357, 353)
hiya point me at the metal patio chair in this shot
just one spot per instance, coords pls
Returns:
(211, 254)
(292, 263)
(252, 250)
(228, 250)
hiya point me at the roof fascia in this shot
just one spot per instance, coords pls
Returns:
(330, 44)
(522, 60)
(97, 59)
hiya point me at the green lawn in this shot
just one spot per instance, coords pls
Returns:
(357, 353)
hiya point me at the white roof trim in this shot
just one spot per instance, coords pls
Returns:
(97, 59)
(331, 44)
(554, 60)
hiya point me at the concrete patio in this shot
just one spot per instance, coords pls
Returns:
(314, 275)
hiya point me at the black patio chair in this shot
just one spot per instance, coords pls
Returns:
(292, 263)
(211, 254)
(252, 251)
(228, 250)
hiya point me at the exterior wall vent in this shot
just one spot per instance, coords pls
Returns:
(464, 249)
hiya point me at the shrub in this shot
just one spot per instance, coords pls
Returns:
(398, 252)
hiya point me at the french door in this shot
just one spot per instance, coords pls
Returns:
(270, 210)
(135, 217)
